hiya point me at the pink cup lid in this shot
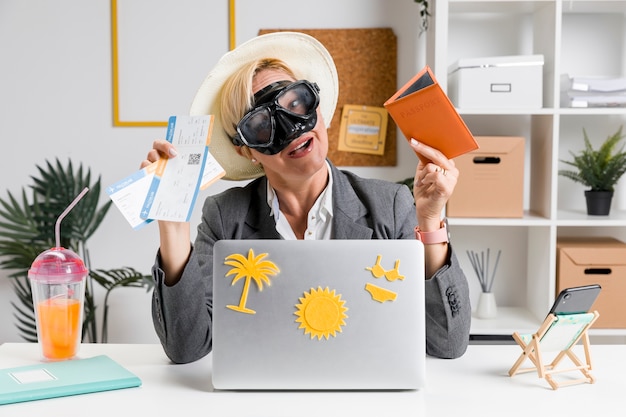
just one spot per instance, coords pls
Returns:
(58, 265)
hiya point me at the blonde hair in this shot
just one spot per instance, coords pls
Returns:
(237, 97)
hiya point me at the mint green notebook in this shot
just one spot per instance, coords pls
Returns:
(63, 378)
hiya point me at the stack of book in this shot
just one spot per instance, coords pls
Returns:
(592, 91)
(63, 378)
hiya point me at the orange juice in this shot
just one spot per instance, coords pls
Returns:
(59, 327)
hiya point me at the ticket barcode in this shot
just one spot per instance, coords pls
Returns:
(194, 159)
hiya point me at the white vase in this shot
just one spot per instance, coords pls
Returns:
(487, 308)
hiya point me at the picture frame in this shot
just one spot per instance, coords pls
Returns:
(135, 102)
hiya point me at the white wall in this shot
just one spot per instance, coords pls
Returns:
(56, 102)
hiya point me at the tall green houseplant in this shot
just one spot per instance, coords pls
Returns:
(599, 169)
(27, 228)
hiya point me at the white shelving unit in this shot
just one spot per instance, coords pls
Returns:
(580, 38)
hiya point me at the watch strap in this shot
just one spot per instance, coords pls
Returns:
(436, 236)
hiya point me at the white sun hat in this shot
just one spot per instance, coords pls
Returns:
(307, 58)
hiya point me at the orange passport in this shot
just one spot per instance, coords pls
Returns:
(424, 112)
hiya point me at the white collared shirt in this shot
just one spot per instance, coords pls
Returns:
(319, 218)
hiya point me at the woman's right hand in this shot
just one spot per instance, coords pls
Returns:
(174, 236)
(159, 149)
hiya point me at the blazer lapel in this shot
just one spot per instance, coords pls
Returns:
(259, 220)
(344, 227)
(347, 210)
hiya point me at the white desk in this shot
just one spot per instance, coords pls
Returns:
(476, 384)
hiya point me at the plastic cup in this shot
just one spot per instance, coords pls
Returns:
(57, 278)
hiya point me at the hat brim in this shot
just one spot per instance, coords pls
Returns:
(304, 54)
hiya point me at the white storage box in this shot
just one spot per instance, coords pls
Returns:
(510, 82)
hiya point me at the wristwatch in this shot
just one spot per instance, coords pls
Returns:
(440, 235)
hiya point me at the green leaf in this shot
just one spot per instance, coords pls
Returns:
(600, 169)
(24, 313)
(121, 277)
(28, 226)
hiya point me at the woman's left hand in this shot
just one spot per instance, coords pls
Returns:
(435, 179)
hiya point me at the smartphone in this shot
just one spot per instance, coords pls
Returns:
(575, 299)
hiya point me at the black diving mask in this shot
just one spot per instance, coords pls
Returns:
(282, 112)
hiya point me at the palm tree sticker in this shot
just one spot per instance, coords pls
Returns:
(252, 268)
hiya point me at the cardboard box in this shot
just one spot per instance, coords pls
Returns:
(510, 82)
(491, 179)
(583, 261)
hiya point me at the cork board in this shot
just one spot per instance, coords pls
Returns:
(366, 62)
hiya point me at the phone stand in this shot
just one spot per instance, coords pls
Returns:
(557, 334)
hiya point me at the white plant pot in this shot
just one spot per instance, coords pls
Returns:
(487, 308)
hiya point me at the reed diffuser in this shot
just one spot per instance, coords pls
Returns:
(481, 263)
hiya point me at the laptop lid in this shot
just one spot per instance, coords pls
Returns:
(324, 314)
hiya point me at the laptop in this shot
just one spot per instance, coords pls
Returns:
(318, 315)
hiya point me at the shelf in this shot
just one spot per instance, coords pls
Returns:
(593, 6)
(529, 219)
(512, 112)
(581, 218)
(517, 319)
(565, 111)
(578, 37)
(590, 111)
(509, 320)
(527, 7)
(496, 6)
(607, 332)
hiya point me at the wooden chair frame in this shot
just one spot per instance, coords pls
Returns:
(532, 350)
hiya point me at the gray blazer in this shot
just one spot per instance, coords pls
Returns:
(362, 209)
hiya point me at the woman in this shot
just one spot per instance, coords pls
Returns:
(273, 98)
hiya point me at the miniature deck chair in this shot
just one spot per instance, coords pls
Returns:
(557, 334)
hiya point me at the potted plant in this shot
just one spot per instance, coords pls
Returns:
(599, 169)
(424, 14)
(27, 228)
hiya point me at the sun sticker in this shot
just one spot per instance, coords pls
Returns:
(321, 313)
(253, 268)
